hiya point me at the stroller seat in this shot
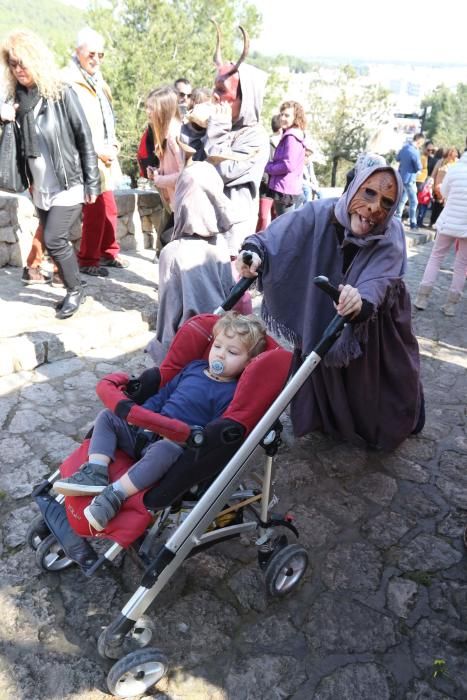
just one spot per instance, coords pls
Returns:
(260, 383)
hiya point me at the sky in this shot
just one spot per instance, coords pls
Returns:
(398, 30)
(406, 31)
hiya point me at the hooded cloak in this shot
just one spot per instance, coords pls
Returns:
(195, 273)
(368, 388)
(200, 204)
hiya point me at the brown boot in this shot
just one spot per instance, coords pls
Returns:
(449, 308)
(421, 301)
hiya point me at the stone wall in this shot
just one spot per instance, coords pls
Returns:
(141, 218)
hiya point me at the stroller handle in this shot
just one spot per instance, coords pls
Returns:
(236, 293)
(324, 284)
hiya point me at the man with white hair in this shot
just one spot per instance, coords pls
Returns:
(99, 247)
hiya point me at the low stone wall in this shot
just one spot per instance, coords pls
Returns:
(141, 218)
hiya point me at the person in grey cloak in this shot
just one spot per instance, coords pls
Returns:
(235, 141)
(368, 388)
(195, 273)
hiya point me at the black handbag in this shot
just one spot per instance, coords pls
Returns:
(12, 177)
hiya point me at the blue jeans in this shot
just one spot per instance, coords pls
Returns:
(422, 209)
(410, 193)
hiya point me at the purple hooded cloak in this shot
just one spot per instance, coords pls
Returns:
(368, 387)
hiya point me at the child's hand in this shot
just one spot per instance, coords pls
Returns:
(151, 172)
(200, 114)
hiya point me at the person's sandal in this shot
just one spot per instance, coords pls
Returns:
(118, 262)
(94, 271)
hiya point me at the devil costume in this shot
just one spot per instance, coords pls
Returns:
(246, 136)
(368, 388)
(239, 148)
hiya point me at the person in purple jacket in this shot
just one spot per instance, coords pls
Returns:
(285, 170)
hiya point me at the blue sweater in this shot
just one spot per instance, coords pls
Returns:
(409, 162)
(192, 396)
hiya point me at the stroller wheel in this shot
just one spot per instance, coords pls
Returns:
(50, 555)
(37, 532)
(285, 569)
(137, 638)
(135, 673)
(142, 633)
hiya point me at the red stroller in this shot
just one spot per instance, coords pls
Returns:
(206, 478)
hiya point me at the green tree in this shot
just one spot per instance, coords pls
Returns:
(446, 120)
(55, 22)
(153, 42)
(342, 118)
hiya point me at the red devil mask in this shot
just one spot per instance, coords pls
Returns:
(227, 78)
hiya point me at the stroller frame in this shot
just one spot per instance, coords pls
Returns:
(284, 564)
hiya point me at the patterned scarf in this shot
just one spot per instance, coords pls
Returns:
(96, 84)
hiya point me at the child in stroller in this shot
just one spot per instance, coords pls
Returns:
(197, 395)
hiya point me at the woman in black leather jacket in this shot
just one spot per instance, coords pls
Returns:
(58, 156)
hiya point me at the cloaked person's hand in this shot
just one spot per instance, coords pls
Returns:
(248, 263)
(350, 301)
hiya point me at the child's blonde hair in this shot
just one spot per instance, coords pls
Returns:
(250, 329)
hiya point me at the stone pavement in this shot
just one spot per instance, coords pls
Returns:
(382, 612)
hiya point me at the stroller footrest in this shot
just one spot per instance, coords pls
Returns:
(75, 547)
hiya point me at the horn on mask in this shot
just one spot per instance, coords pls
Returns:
(218, 55)
(217, 52)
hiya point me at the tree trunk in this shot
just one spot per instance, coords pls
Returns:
(335, 163)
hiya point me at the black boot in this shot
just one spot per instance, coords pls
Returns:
(71, 303)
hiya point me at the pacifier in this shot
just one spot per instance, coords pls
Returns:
(216, 367)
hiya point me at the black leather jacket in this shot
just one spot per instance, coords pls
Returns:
(68, 137)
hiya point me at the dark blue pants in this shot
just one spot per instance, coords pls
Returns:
(111, 432)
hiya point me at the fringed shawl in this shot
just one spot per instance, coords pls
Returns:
(368, 389)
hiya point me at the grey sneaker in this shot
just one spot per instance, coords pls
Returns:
(90, 480)
(103, 508)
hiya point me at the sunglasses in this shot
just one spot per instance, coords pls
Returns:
(184, 94)
(93, 54)
(16, 64)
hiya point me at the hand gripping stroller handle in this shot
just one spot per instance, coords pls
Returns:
(337, 324)
(237, 292)
(323, 283)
